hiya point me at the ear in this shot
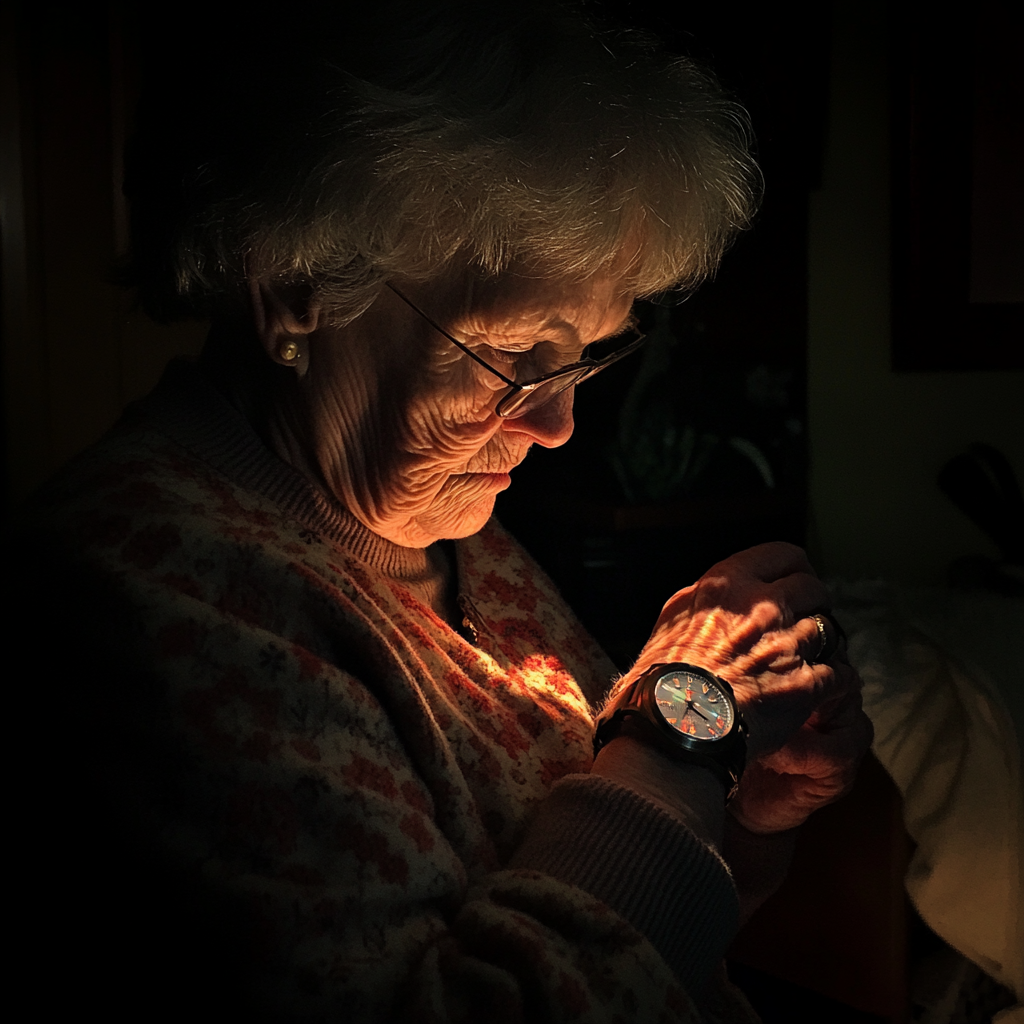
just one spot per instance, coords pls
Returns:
(284, 315)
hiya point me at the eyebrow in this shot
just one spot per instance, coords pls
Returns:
(628, 321)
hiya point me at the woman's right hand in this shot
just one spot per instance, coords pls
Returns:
(816, 766)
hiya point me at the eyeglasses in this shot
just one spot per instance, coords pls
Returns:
(527, 395)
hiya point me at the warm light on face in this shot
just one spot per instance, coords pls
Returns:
(532, 386)
(411, 417)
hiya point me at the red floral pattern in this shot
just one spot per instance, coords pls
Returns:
(345, 747)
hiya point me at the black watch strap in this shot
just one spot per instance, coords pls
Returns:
(726, 764)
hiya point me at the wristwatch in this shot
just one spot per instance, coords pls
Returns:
(686, 712)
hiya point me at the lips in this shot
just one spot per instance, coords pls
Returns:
(494, 463)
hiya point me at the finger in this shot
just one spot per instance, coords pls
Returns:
(792, 648)
(778, 704)
(798, 595)
(846, 693)
(814, 639)
(832, 635)
(768, 562)
(770, 801)
(839, 707)
(818, 754)
(821, 684)
(808, 639)
(818, 638)
(846, 735)
(846, 713)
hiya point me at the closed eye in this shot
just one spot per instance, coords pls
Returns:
(513, 355)
(502, 355)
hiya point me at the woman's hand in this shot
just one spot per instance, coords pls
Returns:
(817, 766)
(747, 619)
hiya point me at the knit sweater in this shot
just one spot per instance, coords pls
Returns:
(352, 810)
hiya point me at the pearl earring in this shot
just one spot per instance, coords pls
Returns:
(288, 351)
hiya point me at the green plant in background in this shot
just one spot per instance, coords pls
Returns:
(656, 453)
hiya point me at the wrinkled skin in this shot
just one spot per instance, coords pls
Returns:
(816, 766)
(399, 425)
(747, 620)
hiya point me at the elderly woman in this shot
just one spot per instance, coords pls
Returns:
(336, 758)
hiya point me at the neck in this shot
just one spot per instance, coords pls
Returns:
(266, 394)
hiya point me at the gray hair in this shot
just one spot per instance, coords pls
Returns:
(425, 135)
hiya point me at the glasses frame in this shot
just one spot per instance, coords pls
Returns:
(508, 406)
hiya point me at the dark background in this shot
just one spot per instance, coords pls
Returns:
(737, 369)
(784, 361)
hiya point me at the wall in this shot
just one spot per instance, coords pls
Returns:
(879, 438)
(74, 350)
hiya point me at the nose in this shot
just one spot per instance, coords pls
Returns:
(549, 425)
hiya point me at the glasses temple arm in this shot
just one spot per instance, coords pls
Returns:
(458, 344)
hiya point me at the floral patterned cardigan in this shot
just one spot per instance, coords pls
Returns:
(299, 794)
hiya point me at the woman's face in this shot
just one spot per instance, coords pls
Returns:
(400, 423)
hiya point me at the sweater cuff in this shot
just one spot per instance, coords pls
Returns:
(758, 863)
(642, 863)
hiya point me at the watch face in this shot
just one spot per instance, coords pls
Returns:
(694, 705)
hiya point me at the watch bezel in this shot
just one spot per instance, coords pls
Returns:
(646, 699)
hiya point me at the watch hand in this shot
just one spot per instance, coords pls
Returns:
(697, 711)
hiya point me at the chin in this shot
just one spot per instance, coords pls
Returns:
(469, 521)
(472, 523)
(426, 529)
(459, 510)
(454, 524)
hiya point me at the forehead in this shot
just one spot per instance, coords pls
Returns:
(518, 308)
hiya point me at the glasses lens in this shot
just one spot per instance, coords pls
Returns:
(519, 403)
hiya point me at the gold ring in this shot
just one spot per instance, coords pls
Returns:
(829, 635)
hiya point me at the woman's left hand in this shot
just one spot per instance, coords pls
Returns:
(818, 765)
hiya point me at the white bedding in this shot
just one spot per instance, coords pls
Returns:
(944, 687)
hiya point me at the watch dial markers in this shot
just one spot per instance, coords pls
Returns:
(694, 706)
